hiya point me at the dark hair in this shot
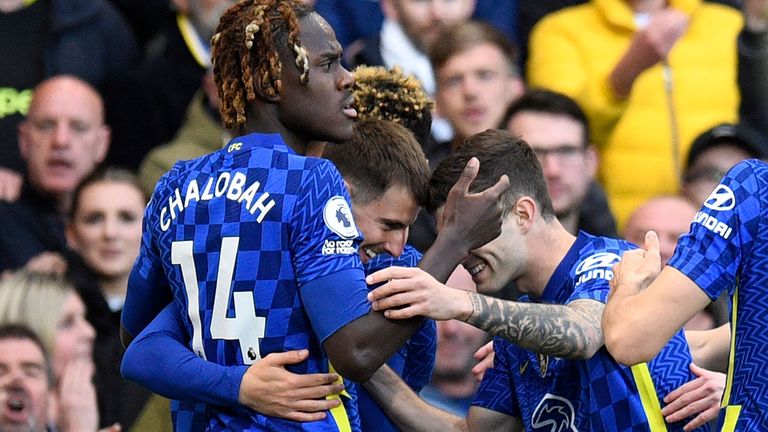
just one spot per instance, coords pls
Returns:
(499, 153)
(106, 174)
(548, 102)
(739, 135)
(381, 154)
(466, 35)
(22, 332)
(248, 44)
(388, 94)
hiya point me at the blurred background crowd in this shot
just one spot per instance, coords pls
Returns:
(635, 109)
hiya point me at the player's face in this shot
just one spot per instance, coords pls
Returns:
(23, 386)
(74, 335)
(63, 137)
(495, 264)
(568, 164)
(106, 227)
(321, 109)
(498, 262)
(384, 222)
(474, 89)
(423, 20)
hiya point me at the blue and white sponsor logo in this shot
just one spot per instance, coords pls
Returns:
(338, 217)
(597, 266)
(554, 414)
(711, 223)
(721, 199)
(598, 260)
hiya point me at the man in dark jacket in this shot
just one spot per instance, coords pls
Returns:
(39, 39)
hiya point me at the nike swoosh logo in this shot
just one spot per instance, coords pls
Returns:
(524, 367)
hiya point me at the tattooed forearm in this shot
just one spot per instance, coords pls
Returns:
(568, 331)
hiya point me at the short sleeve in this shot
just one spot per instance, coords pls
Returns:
(324, 242)
(723, 231)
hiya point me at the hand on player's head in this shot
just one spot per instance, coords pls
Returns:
(474, 216)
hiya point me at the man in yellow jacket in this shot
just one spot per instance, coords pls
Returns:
(650, 74)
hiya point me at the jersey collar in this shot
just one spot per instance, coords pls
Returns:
(554, 292)
(266, 141)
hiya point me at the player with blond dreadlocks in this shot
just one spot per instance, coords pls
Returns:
(255, 243)
(389, 94)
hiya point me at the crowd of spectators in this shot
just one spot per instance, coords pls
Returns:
(634, 108)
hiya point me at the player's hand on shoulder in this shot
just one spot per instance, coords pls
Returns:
(410, 292)
(268, 388)
(473, 218)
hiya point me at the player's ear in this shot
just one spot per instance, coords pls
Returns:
(524, 211)
(265, 90)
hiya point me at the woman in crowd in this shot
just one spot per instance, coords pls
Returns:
(51, 307)
(104, 229)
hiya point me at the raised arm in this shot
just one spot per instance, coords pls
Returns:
(639, 321)
(469, 220)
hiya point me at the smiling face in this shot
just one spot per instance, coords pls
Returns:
(63, 137)
(499, 261)
(474, 89)
(384, 221)
(106, 227)
(24, 382)
(319, 110)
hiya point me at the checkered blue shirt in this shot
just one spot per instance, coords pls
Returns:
(554, 394)
(726, 251)
(258, 246)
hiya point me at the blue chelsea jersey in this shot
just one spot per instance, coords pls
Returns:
(726, 251)
(555, 394)
(259, 249)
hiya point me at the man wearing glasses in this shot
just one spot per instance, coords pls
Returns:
(557, 131)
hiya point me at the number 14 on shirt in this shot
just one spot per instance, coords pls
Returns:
(245, 327)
